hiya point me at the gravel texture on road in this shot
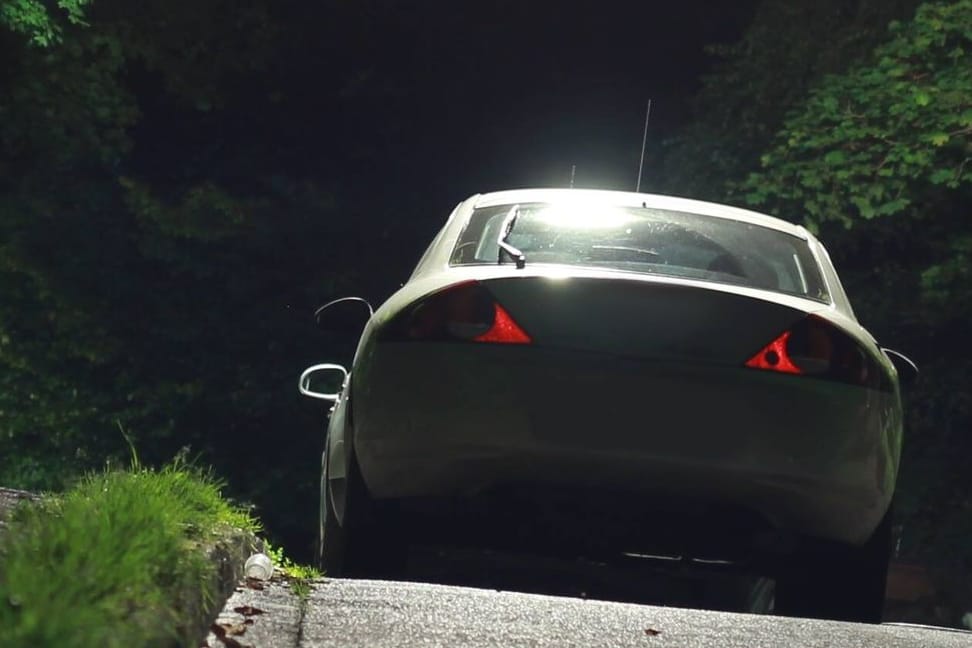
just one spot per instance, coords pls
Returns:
(269, 618)
(378, 613)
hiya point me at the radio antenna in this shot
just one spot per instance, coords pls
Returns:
(644, 140)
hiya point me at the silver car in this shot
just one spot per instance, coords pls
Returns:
(605, 373)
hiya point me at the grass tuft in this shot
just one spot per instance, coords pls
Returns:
(298, 576)
(107, 562)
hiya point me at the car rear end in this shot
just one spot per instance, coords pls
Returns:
(659, 403)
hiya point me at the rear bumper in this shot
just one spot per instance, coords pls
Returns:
(809, 457)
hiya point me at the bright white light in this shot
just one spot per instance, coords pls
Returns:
(581, 216)
(556, 274)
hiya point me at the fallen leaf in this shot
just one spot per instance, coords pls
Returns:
(232, 628)
(248, 610)
(221, 634)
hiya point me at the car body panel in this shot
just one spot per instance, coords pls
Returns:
(571, 417)
(336, 453)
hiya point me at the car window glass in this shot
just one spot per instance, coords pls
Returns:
(648, 240)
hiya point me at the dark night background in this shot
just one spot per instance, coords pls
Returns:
(182, 183)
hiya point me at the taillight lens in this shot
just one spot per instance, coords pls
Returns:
(815, 347)
(775, 356)
(464, 312)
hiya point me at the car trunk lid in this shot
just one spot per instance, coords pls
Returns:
(639, 317)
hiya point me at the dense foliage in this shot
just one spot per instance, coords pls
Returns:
(154, 256)
(885, 135)
(756, 81)
(33, 18)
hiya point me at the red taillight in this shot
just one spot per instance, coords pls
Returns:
(504, 329)
(815, 347)
(775, 357)
(464, 312)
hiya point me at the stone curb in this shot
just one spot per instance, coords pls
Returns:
(259, 615)
(200, 607)
(10, 499)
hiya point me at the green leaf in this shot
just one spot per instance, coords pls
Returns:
(941, 176)
(893, 206)
(835, 157)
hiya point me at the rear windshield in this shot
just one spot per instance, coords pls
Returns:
(653, 241)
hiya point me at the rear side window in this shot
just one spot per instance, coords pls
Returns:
(652, 241)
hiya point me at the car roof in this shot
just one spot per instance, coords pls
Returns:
(631, 199)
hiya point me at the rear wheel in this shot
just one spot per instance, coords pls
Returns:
(843, 583)
(367, 542)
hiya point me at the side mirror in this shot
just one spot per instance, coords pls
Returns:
(907, 370)
(323, 381)
(345, 315)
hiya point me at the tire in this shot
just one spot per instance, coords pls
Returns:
(369, 544)
(331, 538)
(841, 583)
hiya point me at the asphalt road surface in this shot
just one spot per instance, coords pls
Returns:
(375, 614)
